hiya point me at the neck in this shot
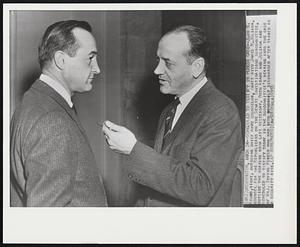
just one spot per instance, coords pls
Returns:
(57, 77)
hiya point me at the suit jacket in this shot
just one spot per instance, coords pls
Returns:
(52, 163)
(198, 163)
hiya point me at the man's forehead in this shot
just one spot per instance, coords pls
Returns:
(174, 42)
(84, 37)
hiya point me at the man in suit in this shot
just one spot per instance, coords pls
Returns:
(52, 163)
(198, 141)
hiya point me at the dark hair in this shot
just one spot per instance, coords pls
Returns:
(199, 46)
(59, 37)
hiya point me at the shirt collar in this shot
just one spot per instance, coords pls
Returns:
(187, 97)
(57, 87)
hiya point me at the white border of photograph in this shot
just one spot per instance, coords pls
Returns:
(172, 225)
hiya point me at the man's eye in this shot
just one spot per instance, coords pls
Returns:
(90, 60)
(168, 64)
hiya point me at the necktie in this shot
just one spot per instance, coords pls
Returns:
(170, 117)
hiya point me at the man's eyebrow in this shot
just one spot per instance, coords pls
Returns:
(165, 59)
(93, 53)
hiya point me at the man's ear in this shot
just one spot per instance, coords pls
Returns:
(198, 67)
(59, 59)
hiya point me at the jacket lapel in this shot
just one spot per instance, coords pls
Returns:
(50, 92)
(188, 113)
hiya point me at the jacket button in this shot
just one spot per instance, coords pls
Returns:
(130, 176)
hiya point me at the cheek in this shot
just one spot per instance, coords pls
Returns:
(77, 74)
(170, 75)
(178, 81)
(80, 68)
(182, 75)
(73, 69)
(173, 78)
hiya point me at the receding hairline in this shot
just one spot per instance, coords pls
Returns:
(76, 31)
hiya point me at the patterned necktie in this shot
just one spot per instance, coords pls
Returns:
(170, 117)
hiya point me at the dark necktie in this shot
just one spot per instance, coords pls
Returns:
(170, 117)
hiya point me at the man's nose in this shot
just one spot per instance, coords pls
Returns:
(158, 70)
(96, 68)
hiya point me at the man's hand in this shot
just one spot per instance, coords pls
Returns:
(118, 138)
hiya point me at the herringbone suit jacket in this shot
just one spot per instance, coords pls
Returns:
(52, 164)
(196, 167)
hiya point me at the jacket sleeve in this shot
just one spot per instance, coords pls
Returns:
(50, 161)
(193, 173)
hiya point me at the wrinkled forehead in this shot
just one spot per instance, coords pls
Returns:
(176, 43)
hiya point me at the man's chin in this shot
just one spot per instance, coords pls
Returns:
(163, 90)
(89, 88)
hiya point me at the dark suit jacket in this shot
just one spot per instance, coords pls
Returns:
(52, 163)
(198, 163)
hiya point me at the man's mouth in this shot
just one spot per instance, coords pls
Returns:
(163, 82)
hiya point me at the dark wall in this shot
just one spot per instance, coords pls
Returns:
(226, 33)
(141, 100)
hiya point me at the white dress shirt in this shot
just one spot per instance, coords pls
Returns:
(186, 98)
(58, 88)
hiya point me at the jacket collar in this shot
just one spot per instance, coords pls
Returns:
(45, 89)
